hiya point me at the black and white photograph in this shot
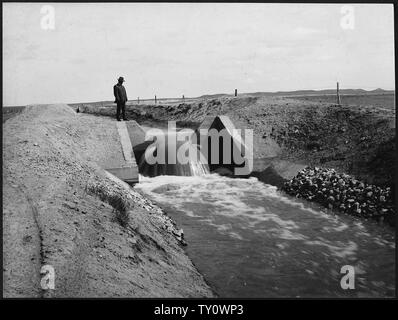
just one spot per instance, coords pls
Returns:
(198, 150)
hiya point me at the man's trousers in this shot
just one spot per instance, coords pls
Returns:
(122, 106)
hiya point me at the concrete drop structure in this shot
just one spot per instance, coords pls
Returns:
(223, 144)
(208, 143)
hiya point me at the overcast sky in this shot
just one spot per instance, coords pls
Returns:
(191, 49)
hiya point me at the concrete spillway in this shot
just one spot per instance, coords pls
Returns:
(166, 148)
(170, 154)
(129, 170)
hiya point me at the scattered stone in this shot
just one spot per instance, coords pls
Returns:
(341, 191)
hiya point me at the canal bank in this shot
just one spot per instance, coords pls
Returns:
(60, 208)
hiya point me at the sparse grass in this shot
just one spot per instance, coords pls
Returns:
(115, 199)
(9, 112)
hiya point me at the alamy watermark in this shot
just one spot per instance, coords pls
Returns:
(347, 20)
(47, 21)
(47, 281)
(348, 280)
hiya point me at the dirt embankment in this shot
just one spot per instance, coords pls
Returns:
(60, 208)
(9, 112)
(358, 140)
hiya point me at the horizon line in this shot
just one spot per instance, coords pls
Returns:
(213, 94)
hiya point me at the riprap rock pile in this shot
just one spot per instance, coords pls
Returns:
(343, 192)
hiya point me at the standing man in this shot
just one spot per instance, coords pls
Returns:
(120, 98)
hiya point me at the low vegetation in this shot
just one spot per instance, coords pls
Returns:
(117, 200)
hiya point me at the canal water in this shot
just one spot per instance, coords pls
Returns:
(250, 240)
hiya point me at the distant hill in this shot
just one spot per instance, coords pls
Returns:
(214, 96)
(303, 92)
(333, 91)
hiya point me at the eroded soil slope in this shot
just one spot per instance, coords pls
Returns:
(52, 158)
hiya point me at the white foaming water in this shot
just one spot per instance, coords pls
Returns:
(254, 205)
(245, 229)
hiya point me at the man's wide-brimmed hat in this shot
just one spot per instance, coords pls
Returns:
(121, 79)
